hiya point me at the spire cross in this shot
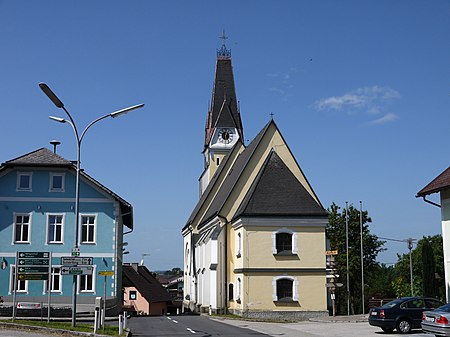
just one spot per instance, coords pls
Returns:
(223, 37)
(271, 115)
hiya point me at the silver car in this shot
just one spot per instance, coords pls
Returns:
(437, 322)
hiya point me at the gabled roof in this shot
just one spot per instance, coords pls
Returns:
(40, 157)
(233, 177)
(441, 182)
(276, 191)
(45, 158)
(143, 280)
(212, 183)
(225, 118)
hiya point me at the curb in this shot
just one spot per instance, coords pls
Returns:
(340, 319)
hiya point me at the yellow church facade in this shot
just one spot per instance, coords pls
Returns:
(255, 243)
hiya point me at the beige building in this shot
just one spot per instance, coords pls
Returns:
(254, 244)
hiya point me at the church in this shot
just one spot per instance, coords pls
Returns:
(255, 243)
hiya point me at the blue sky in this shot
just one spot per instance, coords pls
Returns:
(359, 89)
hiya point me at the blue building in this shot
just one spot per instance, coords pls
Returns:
(37, 214)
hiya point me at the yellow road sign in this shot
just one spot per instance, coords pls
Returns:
(331, 252)
(105, 273)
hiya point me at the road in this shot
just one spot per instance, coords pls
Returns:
(205, 326)
(202, 326)
(185, 326)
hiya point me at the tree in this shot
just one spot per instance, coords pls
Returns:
(336, 234)
(428, 270)
(422, 284)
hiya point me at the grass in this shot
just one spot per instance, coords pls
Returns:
(109, 330)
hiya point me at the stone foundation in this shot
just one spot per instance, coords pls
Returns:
(293, 316)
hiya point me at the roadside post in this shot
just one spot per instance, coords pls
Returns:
(331, 277)
(120, 324)
(104, 273)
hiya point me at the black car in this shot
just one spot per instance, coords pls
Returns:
(403, 314)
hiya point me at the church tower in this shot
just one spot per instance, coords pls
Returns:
(223, 123)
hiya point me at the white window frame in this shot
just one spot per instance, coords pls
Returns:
(53, 274)
(24, 189)
(48, 228)
(81, 229)
(15, 215)
(93, 282)
(135, 293)
(294, 240)
(12, 270)
(228, 290)
(51, 188)
(294, 279)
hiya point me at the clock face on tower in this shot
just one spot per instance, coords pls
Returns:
(225, 136)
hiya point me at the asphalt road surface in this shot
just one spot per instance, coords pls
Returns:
(191, 326)
(204, 326)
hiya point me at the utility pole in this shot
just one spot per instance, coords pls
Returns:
(362, 257)
(410, 246)
(346, 253)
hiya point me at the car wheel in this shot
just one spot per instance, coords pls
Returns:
(387, 330)
(404, 326)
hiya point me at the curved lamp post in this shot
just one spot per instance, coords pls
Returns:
(51, 95)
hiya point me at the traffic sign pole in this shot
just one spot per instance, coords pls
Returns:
(50, 285)
(15, 288)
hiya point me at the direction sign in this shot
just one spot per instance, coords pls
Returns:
(75, 251)
(34, 262)
(331, 252)
(34, 255)
(32, 277)
(105, 273)
(75, 261)
(77, 270)
(32, 270)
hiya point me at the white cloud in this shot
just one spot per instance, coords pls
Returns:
(389, 117)
(278, 90)
(282, 82)
(369, 99)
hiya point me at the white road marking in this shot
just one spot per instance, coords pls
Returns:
(190, 330)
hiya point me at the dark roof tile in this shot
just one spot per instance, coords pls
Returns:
(438, 184)
(276, 191)
(42, 156)
(143, 280)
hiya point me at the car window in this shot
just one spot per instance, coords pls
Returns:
(445, 308)
(432, 304)
(413, 304)
(391, 304)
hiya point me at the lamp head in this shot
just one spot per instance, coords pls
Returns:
(50, 94)
(125, 111)
(57, 119)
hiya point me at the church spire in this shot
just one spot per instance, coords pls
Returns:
(223, 94)
(223, 52)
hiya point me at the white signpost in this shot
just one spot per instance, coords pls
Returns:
(75, 261)
(77, 270)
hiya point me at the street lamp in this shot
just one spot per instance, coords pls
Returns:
(59, 104)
